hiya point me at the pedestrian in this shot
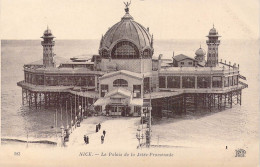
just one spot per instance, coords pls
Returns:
(85, 139)
(99, 126)
(104, 133)
(102, 139)
(96, 128)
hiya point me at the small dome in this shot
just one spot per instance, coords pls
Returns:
(213, 31)
(47, 33)
(200, 52)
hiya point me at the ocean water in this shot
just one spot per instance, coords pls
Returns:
(17, 121)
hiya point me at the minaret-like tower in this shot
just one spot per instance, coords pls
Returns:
(213, 43)
(48, 44)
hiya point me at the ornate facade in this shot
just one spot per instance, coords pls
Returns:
(124, 76)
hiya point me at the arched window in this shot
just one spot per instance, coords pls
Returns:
(104, 53)
(147, 53)
(125, 50)
(120, 83)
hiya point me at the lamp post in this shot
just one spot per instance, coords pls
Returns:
(62, 133)
(139, 136)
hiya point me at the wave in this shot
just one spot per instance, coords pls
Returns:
(24, 141)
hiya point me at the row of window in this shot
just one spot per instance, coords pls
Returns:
(125, 50)
(202, 82)
(190, 63)
(60, 80)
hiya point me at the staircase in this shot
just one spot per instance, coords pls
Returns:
(243, 84)
(242, 77)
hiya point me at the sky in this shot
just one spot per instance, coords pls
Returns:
(166, 19)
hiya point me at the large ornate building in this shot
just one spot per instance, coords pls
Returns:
(124, 78)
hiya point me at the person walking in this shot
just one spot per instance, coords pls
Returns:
(104, 133)
(85, 139)
(102, 139)
(99, 126)
(96, 128)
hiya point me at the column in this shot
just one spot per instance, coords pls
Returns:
(196, 80)
(181, 82)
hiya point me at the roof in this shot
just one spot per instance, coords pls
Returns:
(213, 32)
(101, 102)
(127, 29)
(58, 60)
(200, 52)
(119, 90)
(47, 33)
(124, 72)
(182, 57)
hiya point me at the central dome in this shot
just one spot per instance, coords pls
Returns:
(130, 36)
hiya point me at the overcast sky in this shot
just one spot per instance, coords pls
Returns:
(167, 19)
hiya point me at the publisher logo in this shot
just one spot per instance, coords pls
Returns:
(240, 153)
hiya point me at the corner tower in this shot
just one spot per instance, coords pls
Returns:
(48, 44)
(213, 43)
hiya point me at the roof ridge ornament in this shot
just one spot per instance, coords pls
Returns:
(127, 4)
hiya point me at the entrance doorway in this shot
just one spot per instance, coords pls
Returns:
(116, 110)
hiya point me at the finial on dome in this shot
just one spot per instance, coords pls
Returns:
(127, 4)
(200, 45)
(213, 25)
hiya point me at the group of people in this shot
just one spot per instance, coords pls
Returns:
(98, 127)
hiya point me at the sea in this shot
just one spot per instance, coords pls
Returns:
(20, 122)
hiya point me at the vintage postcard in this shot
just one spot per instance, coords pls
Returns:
(129, 83)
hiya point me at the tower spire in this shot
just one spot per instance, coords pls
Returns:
(213, 43)
(48, 45)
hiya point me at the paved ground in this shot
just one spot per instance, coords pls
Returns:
(120, 132)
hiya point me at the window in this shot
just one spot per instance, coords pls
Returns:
(90, 81)
(79, 81)
(104, 90)
(146, 85)
(147, 53)
(216, 82)
(203, 82)
(230, 81)
(137, 91)
(120, 83)
(39, 80)
(190, 63)
(188, 82)
(235, 80)
(162, 83)
(137, 109)
(226, 84)
(173, 82)
(155, 65)
(104, 53)
(182, 63)
(125, 50)
(26, 77)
